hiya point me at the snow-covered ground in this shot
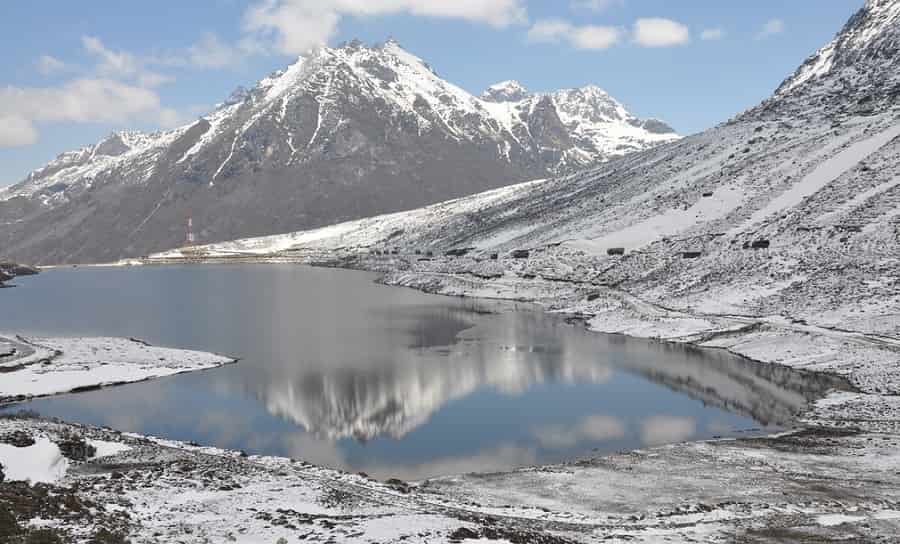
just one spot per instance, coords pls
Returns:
(36, 367)
(812, 484)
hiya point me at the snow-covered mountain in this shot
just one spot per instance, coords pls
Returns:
(342, 133)
(790, 209)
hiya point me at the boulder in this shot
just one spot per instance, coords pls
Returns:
(757, 244)
(691, 254)
(399, 485)
(458, 252)
(462, 534)
(615, 251)
(19, 439)
(15, 269)
(520, 254)
(76, 448)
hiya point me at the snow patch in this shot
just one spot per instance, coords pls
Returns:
(41, 462)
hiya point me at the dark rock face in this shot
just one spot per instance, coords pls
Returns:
(339, 135)
(654, 126)
(520, 254)
(549, 131)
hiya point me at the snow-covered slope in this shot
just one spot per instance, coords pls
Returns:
(861, 58)
(341, 133)
(791, 208)
(133, 155)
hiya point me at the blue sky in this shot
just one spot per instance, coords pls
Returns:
(73, 71)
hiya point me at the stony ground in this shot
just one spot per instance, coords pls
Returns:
(814, 485)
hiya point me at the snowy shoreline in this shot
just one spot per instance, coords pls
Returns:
(40, 367)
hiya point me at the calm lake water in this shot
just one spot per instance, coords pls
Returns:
(340, 371)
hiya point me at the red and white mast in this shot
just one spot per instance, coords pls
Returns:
(190, 239)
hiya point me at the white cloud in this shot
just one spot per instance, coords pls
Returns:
(497, 13)
(16, 131)
(80, 100)
(658, 32)
(503, 457)
(86, 100)
(597, 6)
(581, 37)
(117, 88)
(112, 63)
(591, 428)
(170, 118)
(48, 65)
(712, 34)
(771, 28)
(667, 429)
(210, 52)
(295, 26)
(122, 65)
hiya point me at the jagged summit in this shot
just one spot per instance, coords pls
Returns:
(860, 62)
(505, 91)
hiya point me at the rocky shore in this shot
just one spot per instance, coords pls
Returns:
(9, 270)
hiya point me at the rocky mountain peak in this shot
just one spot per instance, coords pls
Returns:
(341, 133)
(862, 58)
(113, 145)
(237, 96)
(591, 102)
(505, 91)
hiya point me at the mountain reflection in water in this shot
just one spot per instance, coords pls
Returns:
(340, 371)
